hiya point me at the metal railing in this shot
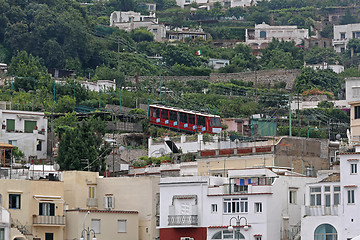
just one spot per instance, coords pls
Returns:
(321, 210)
(48, 220)
(179, 220)
(92, 202)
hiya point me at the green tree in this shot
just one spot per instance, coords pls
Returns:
(182, 55)
(83, 144)
(140, 35)
(65, 104)
(322, 55)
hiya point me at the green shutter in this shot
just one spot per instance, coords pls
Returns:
(30, 126)
(10, 124)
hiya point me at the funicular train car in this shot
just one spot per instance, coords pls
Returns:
(184, 120)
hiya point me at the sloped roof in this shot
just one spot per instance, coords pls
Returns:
(334, 177)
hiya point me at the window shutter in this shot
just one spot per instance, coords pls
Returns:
(105, 203)
(52, 209)
(113, 202)
(40, 209)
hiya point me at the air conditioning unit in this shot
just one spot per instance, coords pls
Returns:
(186, 238)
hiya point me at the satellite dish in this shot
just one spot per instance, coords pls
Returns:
(56, 167)
(338, 136)
(162, 151)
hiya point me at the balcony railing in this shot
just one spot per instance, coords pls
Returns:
(321, 211)
(180, 220)
(48, 220)
(92, 202)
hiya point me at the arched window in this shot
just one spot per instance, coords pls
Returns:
(262, 34)
(225, 234)
(325, 231)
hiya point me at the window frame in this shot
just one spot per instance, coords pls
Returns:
(96, 230)
(317, 197)
(214, 208)
(353, 168)
(123, 221)
(18, 204)
(292, 196)
(351, 196)
(258, 207)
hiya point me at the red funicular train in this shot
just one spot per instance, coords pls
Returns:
(184, 120)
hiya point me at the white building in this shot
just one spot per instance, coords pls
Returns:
(100, 85)
(260, 36)
(218, 63)
(342, 35)
(4, 222)
(132, 20)
(26, 130)
(202, 208)
(331, 208)
(321, 66)
(352, 89)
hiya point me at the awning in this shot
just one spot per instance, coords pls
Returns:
(52, 199)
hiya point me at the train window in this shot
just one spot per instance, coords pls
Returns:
(201, 120)
(215, 122)
(183, 117)
(173, 116)
(191, 118)
(155, 112)
(164, 114)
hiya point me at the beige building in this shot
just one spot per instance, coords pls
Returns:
(355, 122)
(128, 197)
(36, 208)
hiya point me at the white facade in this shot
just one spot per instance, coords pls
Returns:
(342, 35)
(352, 88)
(4, 222)
(248, 193)
(322, 66)
(262, 35)
(133, 20)
(218, 63)
(158, 149)
(100, 85)
(334, 203)
(26, 130)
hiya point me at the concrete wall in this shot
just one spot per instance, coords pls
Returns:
(300, 153)
(267, 77)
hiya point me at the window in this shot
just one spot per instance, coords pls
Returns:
(46, 209)
(342, 35)
(231, 205)
(258, 207)
(49, 236)
(173, 116)
(2, 234)
(325, 231)
(351, 196)
(240, 188)
(225, 234)
(95, 225)
(15, 201)
(183, 117)
(315, 196)
(156, 112)
(192, 119)
(155, 30)
(30, 126)
(262, 34)
(213, 208)
(122, 226)
(164, 114)
(39, 145)
(258, 238)
(201, 120)
(353, 168)
(292, 197)
(356, 34)
(336, 195)
(13, 142)
(243, 204)
(91, 191)
(10, 124)
(109, 202)
(215, 122)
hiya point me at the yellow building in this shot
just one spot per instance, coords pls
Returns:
(129, 197)
(36, 208)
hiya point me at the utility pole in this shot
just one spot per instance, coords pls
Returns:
(290, 134)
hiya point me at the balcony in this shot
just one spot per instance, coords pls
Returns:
(49, 220)
(321, 211)
(92, 202)
(183, 220)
